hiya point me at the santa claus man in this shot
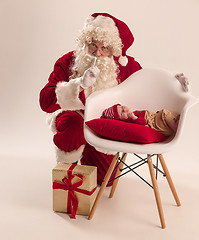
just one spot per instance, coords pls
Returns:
(99, 62)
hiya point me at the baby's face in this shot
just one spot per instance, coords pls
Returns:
(123, 112)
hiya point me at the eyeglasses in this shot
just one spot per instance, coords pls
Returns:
(93, 47)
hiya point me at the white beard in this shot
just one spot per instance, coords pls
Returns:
(108, 71)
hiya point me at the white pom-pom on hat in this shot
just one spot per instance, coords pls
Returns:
(123, 60)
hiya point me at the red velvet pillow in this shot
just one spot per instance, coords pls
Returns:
(124, 131)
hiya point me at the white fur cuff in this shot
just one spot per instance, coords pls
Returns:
(67, 94)
(69, 157)
(51, 120)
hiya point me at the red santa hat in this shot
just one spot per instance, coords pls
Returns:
(112, 31)
(125, 35)
(111, 112)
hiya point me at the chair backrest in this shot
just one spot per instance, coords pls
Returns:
(151, 89)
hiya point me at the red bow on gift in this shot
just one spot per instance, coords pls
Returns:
(67, 185)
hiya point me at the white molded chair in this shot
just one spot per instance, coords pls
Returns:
(151, 89)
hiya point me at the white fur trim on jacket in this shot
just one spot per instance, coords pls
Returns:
(67, 94)
(69, 157)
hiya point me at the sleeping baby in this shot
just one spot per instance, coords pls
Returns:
(164, 121)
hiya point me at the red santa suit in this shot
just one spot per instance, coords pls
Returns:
(62, 99)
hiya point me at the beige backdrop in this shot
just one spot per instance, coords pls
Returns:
(34, 34)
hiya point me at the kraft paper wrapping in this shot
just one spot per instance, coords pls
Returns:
(85, 202)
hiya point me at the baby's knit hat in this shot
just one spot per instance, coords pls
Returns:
(111, 112)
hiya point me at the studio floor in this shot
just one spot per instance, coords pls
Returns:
(26, 206)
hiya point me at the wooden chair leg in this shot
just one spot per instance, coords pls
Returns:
(103, 186)
(169, 179)
(117, 175)
(156, 191)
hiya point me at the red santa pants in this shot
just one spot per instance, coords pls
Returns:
(70, 137)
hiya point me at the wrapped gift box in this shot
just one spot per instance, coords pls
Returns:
(74, 188)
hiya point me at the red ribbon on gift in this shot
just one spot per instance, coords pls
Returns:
(67, 185)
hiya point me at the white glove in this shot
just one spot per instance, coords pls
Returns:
(183, 81)
(90, 75)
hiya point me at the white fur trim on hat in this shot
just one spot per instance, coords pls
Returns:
(123, 60)
(101, 29)
(67, 94)
(69, 157)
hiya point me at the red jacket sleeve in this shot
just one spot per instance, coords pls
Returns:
(61, 72)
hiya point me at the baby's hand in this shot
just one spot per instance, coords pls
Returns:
(132, 116)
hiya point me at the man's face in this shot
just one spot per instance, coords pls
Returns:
(97, 49)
